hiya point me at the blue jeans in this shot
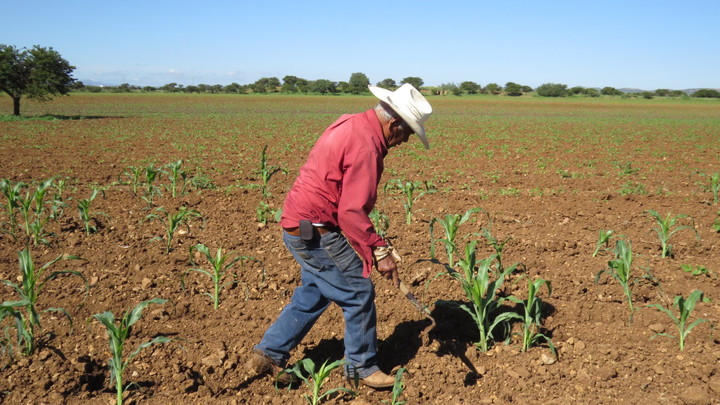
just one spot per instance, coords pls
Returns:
(331, 271)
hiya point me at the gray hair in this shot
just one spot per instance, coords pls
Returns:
(386, 113)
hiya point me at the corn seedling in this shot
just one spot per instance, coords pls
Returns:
(498, 246)
(88, 217)
(666, 229)
(220, 263)
(172, 222)
(714, 187)
(316, 379)
(264, 213)
(475, 279)
(684, 307)
(450, 225)
(695, 270)
(603, 241)
(117, 335)
(151, 174)
(380, 221)
(176, 174)
(532, 314)
(8, 311)
(29, 291)
(397, 389)
(134, 174)
(11, 193)
(410, 191)
(620, 269)
(716, 223)
(266, 172)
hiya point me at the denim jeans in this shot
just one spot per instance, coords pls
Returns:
(331, 271)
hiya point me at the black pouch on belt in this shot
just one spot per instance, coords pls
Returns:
(307, 232)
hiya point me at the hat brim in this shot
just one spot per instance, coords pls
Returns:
(385, 95)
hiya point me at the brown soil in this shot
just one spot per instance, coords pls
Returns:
(552, 222)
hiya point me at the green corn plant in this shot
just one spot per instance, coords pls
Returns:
(57, 207)
(87, 216)
(450, 224)
(666, 229)
(603, 240)
(29, 291)
(172, 222)
(695, 270)
(315, 380)
(118, 334)
(620, 269)
(11, 193)
(38, 232)
(176, 174)
(134, 173)
(481, 290)
(380, 221)
(266, 172)
(8, 310)
(410, 192)
(714, 187)
(151, 175)
(532, 314)
(397, 389)
(220, 263)
(264, 213)
(498, 246)
(684, 307)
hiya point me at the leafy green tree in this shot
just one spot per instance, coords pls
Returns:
(610, 91)
(387, 84)
(647, 95)
(552, 90)
(707, 93)
(414, 81)
(358, 83)
(527, 89)
(291, 84)
(662, 92)
(170, 87)
(513, 89)
(590, 92)
(323, 86)
(576, 90)
(493, 88)
(232, 88)
(38, 73)
(470, 87)
(266, 84)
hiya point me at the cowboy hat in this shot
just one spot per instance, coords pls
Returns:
(410, 105)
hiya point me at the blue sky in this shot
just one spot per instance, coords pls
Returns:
(638, 44)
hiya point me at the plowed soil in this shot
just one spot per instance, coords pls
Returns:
(548, 175)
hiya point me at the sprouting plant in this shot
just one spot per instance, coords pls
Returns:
(8, 310)
(151, 174)
(176, 174)
(716, 223)
(221, 264)
(11, 193)
(134, 173)
(411, 191)
(266, 172)
(714, 187)
(684, 307)
(481, 290)
(315, 379)
(87, 216)
(264, 213)
(397, 389)
(498, 246)
(117, 335)
(666, 229)
(172, 222)
(200, 181)
(29, 290)
(620, 269)
(532, 314)
(451, 225)
(603, 239)
(58, 201)
(380, 221)
(695, 270)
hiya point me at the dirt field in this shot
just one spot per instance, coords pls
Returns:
(550, 174)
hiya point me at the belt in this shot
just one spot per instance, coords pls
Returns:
(295, 231)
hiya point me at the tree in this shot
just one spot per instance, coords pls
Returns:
(493, 88)
(513, 89)
(527, 89)
(707, 93)
(470, 87)
(387, 84)
(38, 73)
(552, 90)
(323, 86)
(414, 81)
(662, 92)
(610, 91)
(358, 83)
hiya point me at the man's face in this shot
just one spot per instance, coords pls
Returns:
(399, 133)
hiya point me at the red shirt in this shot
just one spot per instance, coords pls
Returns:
(337, 186)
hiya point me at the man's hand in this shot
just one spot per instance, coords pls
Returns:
(388, 269)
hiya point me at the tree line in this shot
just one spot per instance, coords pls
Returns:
(42, 73)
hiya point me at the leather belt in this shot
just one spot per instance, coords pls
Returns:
(295, 231)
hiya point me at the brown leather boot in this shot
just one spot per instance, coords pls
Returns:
(378, 380)
(261, 364)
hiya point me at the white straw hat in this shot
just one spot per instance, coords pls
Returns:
(410, 105)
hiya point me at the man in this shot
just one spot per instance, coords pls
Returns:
(334, 192)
